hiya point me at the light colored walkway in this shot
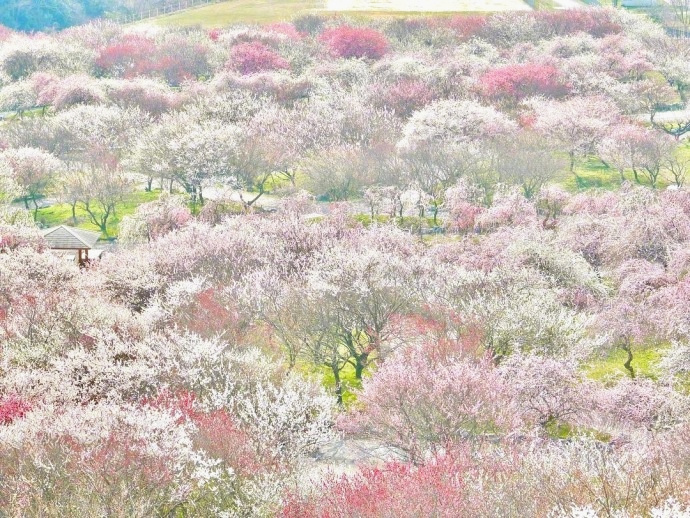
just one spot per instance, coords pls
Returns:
(568, 4)
(427, 5)
(345, 457)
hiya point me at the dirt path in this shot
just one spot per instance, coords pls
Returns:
(427, 5)
(568, 4)
(343, 456)
(266, 201)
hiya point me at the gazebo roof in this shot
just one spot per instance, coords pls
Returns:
(70, 238)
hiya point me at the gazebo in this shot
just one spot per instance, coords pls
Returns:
(70, 239)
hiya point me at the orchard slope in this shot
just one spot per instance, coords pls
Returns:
(475, 258)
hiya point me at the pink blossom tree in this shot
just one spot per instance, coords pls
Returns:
(154, 219)
(253, 57)
(513, 83)
(421, 405)
(33, 170)
(353, 42)
(576, 125)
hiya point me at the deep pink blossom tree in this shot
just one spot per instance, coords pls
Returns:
(353, 42)
(253, 57)
(513, 83)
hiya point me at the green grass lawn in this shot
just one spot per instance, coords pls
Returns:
(610, 368)
(427, 6)
(347, 377)
(561, 430)
(61, 214)
(592, 173)
(269, 11)
(241, 11)
(348, 380)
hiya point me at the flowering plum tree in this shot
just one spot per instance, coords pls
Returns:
(526, 161)
(548, 391)
(250, 58)
(126, 58)
(75, 90)
(575, 125)
(18, 97)
(620, 148)
(101, 188)
(514, 83)
(194, 369)
(406, 96)
(33, 170)
(420, 405)
(354, 42)
(148, 95)
(154, 219)
(454, 122)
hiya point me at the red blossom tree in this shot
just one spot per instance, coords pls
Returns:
(217, 432)
(126, 57)
(354, 42)
(253, 57)
(598, 23)
(12, 408)
(175, 60)
(512, 83)
(467, 27)
(438, 488)
(285, 29)
(406, 96)
(179, 59)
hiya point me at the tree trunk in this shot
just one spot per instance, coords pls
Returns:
(628, 362)
(360, 364)
(74, 213)
(290, 176)
(248, 204)
(103, 224)
(102, 221)
(292, 360)
(338, 385)
(653, 176)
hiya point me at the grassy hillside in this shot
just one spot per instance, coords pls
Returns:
(61, 214)
(268, 11)
(241, 11)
